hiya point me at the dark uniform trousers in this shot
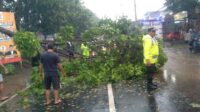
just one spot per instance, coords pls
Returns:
(150, 72)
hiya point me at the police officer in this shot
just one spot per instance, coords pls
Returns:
(151, 52)
(85, 50)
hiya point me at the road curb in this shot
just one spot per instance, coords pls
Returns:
(12, 97)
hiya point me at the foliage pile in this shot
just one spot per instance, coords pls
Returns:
(122, 59)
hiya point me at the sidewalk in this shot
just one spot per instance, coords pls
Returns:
(15, 83)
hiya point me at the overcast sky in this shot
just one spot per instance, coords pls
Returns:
(115, 8)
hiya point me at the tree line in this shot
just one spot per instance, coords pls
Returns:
(47, 16)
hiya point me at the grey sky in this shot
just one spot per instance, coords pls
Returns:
(115, 8)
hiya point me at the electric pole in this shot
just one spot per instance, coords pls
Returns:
(135, 10)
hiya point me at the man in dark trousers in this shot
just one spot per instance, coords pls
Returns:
(151, 52)
(70, 50)
(50, 61)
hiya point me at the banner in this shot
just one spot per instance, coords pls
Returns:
(8, 51)
(181, 16)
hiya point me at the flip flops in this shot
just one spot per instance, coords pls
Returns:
(59, 101)
(4, 98)
(47, 104)
(56, 103)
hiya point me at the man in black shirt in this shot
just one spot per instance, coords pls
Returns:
(50, 61)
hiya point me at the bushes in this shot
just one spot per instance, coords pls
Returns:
(162, 58)
(27, 43)
(11, 68)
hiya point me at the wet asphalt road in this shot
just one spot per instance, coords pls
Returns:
(89, 100)
(179, 86)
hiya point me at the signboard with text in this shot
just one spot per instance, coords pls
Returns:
(8, 51)
(151, 22)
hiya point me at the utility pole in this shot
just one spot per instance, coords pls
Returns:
(135, 10)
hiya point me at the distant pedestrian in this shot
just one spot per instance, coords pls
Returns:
(2, 97)
(50, 61)
(188, 36)
(151, 52)
(70, 50)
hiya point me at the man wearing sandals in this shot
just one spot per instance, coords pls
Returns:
(50, 61)
(2, 97)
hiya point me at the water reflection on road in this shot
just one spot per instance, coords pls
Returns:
(181, 81)
(179, 84)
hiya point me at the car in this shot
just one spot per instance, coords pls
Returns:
(173, 36)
